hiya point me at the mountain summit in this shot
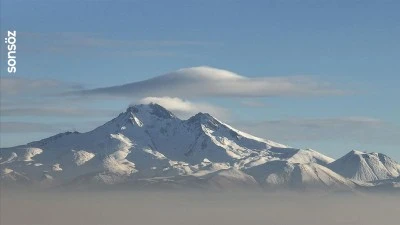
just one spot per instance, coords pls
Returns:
(148, 145)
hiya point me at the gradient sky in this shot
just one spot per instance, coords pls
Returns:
(351, 46)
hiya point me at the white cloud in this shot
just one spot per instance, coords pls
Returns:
(210, 82)
(184, 108)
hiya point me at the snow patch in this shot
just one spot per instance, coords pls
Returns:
(30, 153)
(56, 167)
(81, 157)
(6, 171)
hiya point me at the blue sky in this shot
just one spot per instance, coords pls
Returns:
(351, 46)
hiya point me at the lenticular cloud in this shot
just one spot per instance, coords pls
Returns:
(211, 82)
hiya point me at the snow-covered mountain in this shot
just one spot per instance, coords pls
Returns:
(363, 166)
(148, 146)
(298, 176)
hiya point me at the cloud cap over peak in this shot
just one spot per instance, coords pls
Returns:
(211, 82)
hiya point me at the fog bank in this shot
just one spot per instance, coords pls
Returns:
(166, 208)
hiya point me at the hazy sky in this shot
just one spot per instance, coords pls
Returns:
(326, 73)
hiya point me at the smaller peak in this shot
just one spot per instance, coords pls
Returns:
(356, 152)
(353, 154)
(199, 117)
(203, 115)
(53, 138)
(360, 154)
(203, 119)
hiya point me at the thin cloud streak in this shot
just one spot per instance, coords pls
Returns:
(64, 111)
(27, 127)
(81, 39)
(346, 129)
(13, 86)
(92, 43)
(44, 97)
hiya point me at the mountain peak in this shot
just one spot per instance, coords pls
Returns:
(152, 109)
(202, 115)
(363, 154)
(202, 118)
(354, 153)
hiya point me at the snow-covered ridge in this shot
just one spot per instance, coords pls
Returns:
(148, 145)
